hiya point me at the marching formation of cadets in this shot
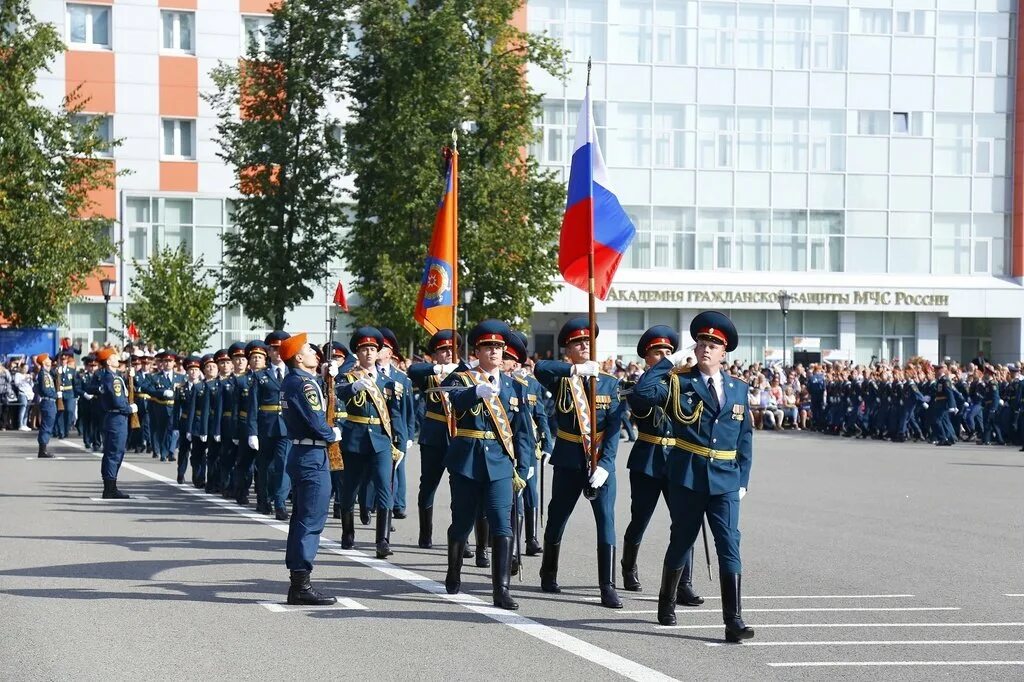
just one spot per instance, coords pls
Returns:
(941, 404)
(255, 416)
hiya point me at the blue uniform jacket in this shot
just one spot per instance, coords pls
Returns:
(554, 375)
(228, 396)
(198, 404)
(303, 407)
(243, 383)
(434, 431)
(66, 382)
(113, 391)
(158, 385)
(265, 405)
(45, 388)
(486, 459)
(404, 423)
(538, 431)
(355, 435)
(646, 457)
(212, 408)
(696, 423)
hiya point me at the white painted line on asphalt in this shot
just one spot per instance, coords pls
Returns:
(879, 642)
(43, 459)
(129, 500)
(798, 596)
(847, 625)
(1013, 595)
(876, 664)
(585, 650)
(344, 604)
(812, 609)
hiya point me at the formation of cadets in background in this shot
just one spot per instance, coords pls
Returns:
(229, 420)
(941, 404)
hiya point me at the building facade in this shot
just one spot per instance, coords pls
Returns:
(858, 154)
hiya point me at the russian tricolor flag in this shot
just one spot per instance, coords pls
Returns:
(594, 219)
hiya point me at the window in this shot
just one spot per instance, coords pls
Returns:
(103, 130)
(986, 56)
(178, 30)
(633, 323)
(872, 123)
(900, 123)
(875, 21)
(255, 28)
(179, 138)
(88, 25)
(983, 157)
(551, 148)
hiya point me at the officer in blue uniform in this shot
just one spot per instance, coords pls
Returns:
(646, 464)
(212, 419)
(538, 433)
(267, 425)
(160, 387)
(344, 361)
(248, 442)
(303, 409)
(199, 421)
(709, 466)
(66, 388)
(46, 391)
(85, 401)
(486, 460)
(369, 440)
(438, 425)
(227, 363)
(571, 459)
(405, 419)
(183, 414)
(113, 395)
(144, 400)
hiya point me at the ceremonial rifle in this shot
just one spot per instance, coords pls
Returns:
(334, 459)
(133, 421)
(60, 395)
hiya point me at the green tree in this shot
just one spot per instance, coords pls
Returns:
(173, 303)
(286, 150)
(49, 165)
(420, 69)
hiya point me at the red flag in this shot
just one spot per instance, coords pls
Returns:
(339, 297)
(133, 332)
(435, 304)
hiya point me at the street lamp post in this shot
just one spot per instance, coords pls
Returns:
(107, 287)
(785, 298)
(467, 298)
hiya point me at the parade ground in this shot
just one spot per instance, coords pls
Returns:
(862, 560)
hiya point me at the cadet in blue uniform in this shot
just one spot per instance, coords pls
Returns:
(709, 466)
(66, 388)
(248, 441)
(405, 418)
(538, 433)
(46, 391)
(485, 458)
(266, 423)
(113, 395)
(302, 406)
(647, 480)
(344, 361)
(568, 381)
(231, 368)
(86, 401)
(438, 425)
(143, 399)
(369, 441)
(199, 421)
(183, 408)
(212, 418)
(161, 405)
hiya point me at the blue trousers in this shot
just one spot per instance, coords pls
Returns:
(566, 487)
(687, 509)
(644, 492)
(47, 417)
(158, 432)
(367, 466)
(493, 498)
(431, 472)
(197, 457)
(399, 500)
(245, 461)
(68, 415)
(115, 430)
(531, 493)
(272, 464)
(311, 495)
(226, 463)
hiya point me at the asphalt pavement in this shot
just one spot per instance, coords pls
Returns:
(862, 560)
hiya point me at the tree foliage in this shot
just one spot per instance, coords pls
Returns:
(418, 70)
(49, 166)
(287, 154)
(173, 305)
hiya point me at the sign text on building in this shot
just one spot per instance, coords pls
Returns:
(868, 297)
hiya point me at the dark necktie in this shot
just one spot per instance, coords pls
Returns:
(280, 375)
(714, 394)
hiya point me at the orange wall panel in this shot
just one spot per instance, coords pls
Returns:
(255, 6)
(179, 86)
(179, 4)
(104, 200)
(94, 71)
(92, 284)
(179, 176)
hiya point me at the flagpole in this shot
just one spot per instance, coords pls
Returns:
(455, 265)
(591, 289)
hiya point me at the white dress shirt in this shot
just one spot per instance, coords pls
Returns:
(719, 386)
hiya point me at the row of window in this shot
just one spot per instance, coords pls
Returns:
(90, 26)
(177, 135)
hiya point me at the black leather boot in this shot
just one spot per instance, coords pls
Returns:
(501, 575)
(735, 629)
(118, 495)
(426, 540)
(685, 596)
(549, 569)
(364, 515)
(533, 547)
(301, 593)
(630, 576)
(383, 522)
(667, 595)
(453, 579)
(605, 561)
(482, 532)
(348, 530)
(43, 453)
(337, 510)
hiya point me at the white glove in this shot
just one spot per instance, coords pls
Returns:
(168, 393)
(133, 408)
(254, 442)
(408, 445)
(216, 439)
(332, 369)
(202, 439)
(131, 372)
(598, 478)
(678, 356)
(90, 396)
(953, 410)
(363, 384)
(486, 391)
(401, 456)
(188, 437)
(743, 491)
(529, 473)
(235, 441)
(441, 370)
(337, 434)
(587, 369)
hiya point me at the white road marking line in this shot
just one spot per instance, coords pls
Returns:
(1013, 595)
(868, 664)
(847, 625)
(43, 459)
(131, 499)
(585, 650)
(811, 609)
(878, 642)
(798, 596)
(344, 604)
